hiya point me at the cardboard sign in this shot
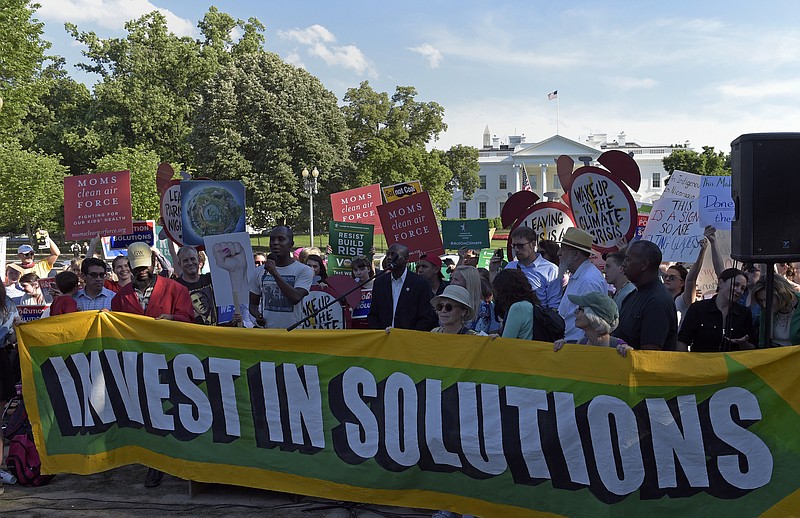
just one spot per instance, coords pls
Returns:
(716, 205)
(358, 206)
(682, 185)
(331, 317)
(97, 203)
(469, 233)
(401, 190)
(230, 257)
(674, 225)
(143, 231)
(350, 239)
(211, 208)
(603, 207)
(171, 212)
(412, 222)
(30, 313)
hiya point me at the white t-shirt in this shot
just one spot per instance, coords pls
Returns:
(277, 310)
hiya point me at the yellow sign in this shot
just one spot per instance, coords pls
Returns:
(401, 190)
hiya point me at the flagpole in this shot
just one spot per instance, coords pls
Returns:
(558, 112)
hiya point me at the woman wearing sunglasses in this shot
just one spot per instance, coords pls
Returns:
(454, 312)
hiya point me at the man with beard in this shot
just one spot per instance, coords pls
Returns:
(149, 294)
(281, 283)
(154, 296)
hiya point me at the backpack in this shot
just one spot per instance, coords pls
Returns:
(23, 459)
(548, 326)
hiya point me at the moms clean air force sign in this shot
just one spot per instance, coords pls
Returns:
(418, 419)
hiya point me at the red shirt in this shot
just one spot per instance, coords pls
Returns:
(63, 304)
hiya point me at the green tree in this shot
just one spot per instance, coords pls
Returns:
(21, 56)
(151, 78)
(709, 162)
(31, 190)
(261, 121)
(142, 164)
(388, 139)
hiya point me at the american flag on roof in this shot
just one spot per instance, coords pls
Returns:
(526, 184)
(552, 95)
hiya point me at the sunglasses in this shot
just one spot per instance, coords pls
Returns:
(444, 307)
(260, 262)
(29, 254)
(95, 275)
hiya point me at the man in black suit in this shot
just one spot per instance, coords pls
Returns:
(406, 291)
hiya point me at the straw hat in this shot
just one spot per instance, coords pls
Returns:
(577, 238)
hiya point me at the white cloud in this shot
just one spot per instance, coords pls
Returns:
(321, 43)
(295, 59)
(429, 52)
(630, 83)
(110, 14)
(767, 89)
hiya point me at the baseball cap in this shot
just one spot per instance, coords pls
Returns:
(25, 249)
(139, 254)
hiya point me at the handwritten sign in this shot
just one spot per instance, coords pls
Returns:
(331, 317)
(603, 207)
(401, 190)
(682, 185)
(171, 212)
(350, 239)
(716, 204)
(412, 222)
(97, 203)
(674, 225)
(358, 206)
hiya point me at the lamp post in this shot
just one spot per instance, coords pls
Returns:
(310, 183)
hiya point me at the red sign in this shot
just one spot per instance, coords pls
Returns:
(97, 203)
(358, 206)
(411, 222)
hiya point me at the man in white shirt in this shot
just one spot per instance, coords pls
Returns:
(539, 271)
(576, 247)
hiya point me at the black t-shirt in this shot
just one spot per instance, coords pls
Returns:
(648, 316)
(202, 294)
(702, 327)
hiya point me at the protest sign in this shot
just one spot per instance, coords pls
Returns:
(230, 257)
(331, 317)
(361, 311)
(412, 222)
(350, 239)
(486, 257)
(682, 185)
(358, 206)
(143, 231)
(171, 212)
(339, 264)
(97, 203)
(641, 224)
(465, 233)
(401, 190)
(407, 419)
(716, 205)
(3, 247)
(674, 225)
(602, 206)
(707, 278)
(30, 313)
(211, 208)
(550, 220)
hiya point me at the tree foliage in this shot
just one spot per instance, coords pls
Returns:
(151, 78)
(709, 162)
(142, 164)
(388, 139)
(21, 56)
(31, 190)
(261, 121)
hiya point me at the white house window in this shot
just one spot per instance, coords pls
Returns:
(656, 180)
(462, 210)
(556, 182)
(503, 182)
(502, 204)
(481, 209)
(483, 181)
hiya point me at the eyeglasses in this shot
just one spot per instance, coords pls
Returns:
(444, 307)
(520, 245)
(95, 275)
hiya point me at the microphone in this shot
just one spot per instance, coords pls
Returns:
(272, 257)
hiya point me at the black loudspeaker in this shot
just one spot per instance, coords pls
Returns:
(765, 187)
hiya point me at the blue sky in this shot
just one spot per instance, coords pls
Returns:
(662, 72)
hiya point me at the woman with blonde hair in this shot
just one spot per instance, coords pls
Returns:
(468, 278)
(785, 318)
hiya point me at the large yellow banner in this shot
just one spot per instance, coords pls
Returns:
(419, 419)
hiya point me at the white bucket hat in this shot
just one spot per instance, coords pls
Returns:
(456, 294)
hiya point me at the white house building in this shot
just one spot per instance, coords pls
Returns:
(501, 173)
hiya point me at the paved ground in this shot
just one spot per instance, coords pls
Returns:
(119, 492)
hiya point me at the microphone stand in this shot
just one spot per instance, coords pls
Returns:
(336, 300)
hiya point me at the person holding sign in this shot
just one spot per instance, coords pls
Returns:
(648, 319)
(199, 285)
(280, 285)
(41, 268)
(718, 324)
